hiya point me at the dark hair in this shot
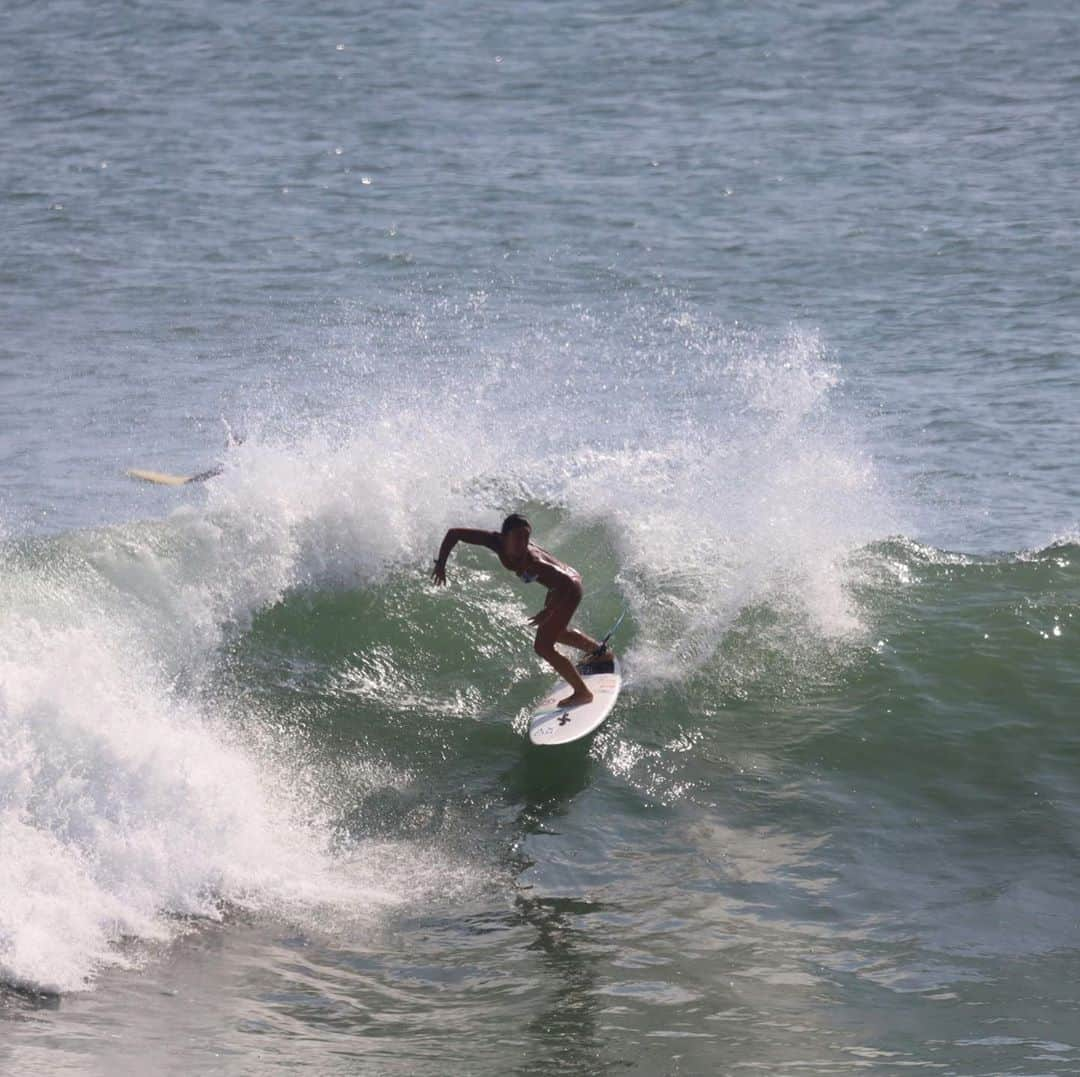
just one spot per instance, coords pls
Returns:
(513, 522)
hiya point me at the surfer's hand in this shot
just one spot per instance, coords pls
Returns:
(539, 618)
(438, 574)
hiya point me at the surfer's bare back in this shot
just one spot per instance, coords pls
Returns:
(531, 562)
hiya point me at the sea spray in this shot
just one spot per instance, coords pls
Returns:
(128, 807)
(725, 467)
(696, 473)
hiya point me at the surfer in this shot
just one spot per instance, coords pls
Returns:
(162, 478)
(231, 441)
(533, 563)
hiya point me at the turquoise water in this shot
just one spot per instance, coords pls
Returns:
(765, 315)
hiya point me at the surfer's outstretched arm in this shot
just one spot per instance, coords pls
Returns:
(472, 535)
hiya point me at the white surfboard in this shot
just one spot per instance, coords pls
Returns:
(551, 724)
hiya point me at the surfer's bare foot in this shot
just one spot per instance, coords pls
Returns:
(576, 699)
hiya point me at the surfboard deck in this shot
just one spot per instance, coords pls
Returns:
(550, 724)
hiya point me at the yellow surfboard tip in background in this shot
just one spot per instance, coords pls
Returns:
(158, 477)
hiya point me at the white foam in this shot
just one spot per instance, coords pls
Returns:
(122, 807)
(128, 807)
(756, 497)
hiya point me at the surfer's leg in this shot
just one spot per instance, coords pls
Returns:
(551, 631)
(573, 638)
(565, 668)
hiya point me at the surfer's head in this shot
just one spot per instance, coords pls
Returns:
(515, 534)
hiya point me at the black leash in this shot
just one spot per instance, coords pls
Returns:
(611, 632)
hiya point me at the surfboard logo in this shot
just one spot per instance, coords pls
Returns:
(564, 718)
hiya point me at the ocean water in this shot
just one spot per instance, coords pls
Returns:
(766, 315)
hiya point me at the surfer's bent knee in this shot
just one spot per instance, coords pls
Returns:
(543, 645)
